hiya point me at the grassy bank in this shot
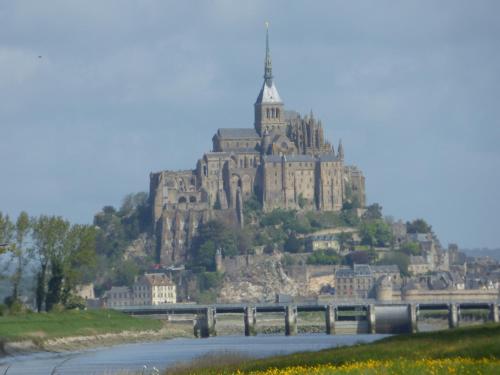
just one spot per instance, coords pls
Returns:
(464, 350)
(39, 327)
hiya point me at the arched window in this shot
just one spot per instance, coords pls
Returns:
(182, 200)
(272, 112)
(192, 199)
(277, 113)
(267, 112)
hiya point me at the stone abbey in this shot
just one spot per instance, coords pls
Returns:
(283, 160)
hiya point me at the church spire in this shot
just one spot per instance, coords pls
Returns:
(340, 151)
(268, 67)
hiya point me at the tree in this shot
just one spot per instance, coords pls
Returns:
(294, 244)
(55, 285)
(244, 241)
(125, 273)
(411, 248)
(360, 257)
(373, 212)
(398, 258)
(63, 252)
(302, 201)
(324, 257)
(375, 233)
(79, 257)
(344, 239)
(19, 251)
(6, 232)
(418, 226)
(48, 239)
(211, 236)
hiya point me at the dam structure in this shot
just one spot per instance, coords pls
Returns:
(342, 318)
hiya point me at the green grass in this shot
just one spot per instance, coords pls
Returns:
(470, 342)
(41, 326)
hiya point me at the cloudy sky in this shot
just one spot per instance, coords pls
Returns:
(94, 95)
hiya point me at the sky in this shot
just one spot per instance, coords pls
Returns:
(95, 95)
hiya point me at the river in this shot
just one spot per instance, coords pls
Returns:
(165, 353)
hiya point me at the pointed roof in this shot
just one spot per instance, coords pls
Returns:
(268, 67)
(340, 150)
(269, 92)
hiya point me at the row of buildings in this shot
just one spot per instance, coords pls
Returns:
(149, 289)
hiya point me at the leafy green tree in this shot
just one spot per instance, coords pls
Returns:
(209, 280)
(324, 257)
(55, 285)
(244, 240)
(48, 239)
(411, 248)
(398, 258)
(360, 257)
(418, 226)
(252, 208)
(344, 239)
(349, 218)
(63, 251)
(211, 236)
(6, 232)
(125, 273)
(19, 251)
(302, 201)
(373, 212)
(79, 258)
(375, 233)
(294, 245)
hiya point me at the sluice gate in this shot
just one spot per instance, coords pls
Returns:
(339, 318)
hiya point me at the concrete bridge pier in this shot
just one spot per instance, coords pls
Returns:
(412, 317)
(330, 319)
(453, 315)
(206, 323)
(290, 320)
(494, 317)
(250, 320)
(370, 315)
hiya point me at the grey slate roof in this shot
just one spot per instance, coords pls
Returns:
(324, 237)
(328, 157)
(299, 158)
(272, 158)
(392, 268)
(246, 150)
(359, 270)
(237, 133)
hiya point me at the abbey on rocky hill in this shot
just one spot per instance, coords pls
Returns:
(283, 160)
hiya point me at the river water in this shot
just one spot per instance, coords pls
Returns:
(165, 353)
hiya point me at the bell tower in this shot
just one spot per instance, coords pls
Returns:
(269, 109)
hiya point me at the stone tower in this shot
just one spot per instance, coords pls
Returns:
(269, 109)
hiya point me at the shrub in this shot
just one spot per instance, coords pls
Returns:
(324, 257)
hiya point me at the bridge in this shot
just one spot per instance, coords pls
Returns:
(340, 318)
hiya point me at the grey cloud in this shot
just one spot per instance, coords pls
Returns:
(126, 87)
